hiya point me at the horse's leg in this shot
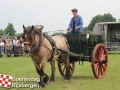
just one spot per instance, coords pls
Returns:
(52, 79)
(39, 71)
(67, 64)
(43, 77)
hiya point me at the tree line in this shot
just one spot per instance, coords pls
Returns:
(8, 30)
(99, 18)
(88, 29)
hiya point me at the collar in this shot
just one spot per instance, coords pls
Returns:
(75, 16)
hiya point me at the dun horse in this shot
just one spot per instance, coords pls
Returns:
(42, 51)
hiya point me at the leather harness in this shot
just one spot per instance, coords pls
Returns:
(40, 44)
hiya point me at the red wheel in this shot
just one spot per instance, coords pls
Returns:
(99, 61)
(62, 67)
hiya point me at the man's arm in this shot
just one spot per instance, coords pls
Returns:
(81, 22)
(70, 25)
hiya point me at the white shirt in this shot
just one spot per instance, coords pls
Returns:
(1, 43)
(15, 42)
(22, 45)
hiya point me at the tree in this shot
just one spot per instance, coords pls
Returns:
(100, 18)
(10, 29)
(1, 31)
(85, 29)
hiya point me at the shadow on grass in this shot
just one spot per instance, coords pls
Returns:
(83, 77)
(76, 77)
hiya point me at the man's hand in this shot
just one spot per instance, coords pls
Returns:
(76, 27)
(67, 29)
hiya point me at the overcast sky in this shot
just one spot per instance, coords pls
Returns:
(53, 14)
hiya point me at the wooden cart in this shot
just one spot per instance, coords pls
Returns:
(85, 47)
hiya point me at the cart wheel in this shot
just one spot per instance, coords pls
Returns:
(62, 68)
(99, 61)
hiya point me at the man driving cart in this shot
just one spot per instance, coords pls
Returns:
(76, 23)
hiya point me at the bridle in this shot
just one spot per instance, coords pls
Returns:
(25, 34)
(32, 37)
(41, 37)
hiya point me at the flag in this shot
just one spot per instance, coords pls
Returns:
(5, 81)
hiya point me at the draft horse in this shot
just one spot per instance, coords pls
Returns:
(41, 51)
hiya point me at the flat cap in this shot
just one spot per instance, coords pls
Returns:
(74, 10)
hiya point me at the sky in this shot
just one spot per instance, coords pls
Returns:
(53, 14)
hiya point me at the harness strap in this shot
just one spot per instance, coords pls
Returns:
(47, 47)
(38, 47)
(53, 43)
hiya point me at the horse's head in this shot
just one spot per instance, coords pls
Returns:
(27, 38)
(31, 33)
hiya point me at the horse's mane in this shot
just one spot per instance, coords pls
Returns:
(38, 30)
(28, 29)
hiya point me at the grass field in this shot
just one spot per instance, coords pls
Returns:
(82, 78)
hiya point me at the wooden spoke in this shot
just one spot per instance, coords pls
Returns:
(62, 64)
(62, 68)
(99, 61)
(101, 72)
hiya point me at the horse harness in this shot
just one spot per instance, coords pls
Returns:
(50, 39)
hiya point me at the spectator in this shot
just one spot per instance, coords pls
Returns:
(4, 41)
(15, 44)
(9, 47)
(22, 45)
(1, 47)
(19, 47)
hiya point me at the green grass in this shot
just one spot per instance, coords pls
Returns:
(82, 79)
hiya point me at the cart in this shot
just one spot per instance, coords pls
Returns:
(85, 47)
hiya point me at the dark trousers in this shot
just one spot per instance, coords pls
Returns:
(15, 50)
(9, 52)
(1, 49)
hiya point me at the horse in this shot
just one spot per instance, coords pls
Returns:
(41, 52)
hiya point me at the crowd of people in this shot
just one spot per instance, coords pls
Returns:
(11, 47)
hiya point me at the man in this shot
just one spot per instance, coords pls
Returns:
(9, 47)
(22, 44)
(76, 23)
(1, 47)
(15, 49)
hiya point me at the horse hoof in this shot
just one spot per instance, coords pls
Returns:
(52, 82)
(48, 82)
(67, 78)
(46, 78)
(41, 85)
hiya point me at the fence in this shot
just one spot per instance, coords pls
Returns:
(11, 53)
